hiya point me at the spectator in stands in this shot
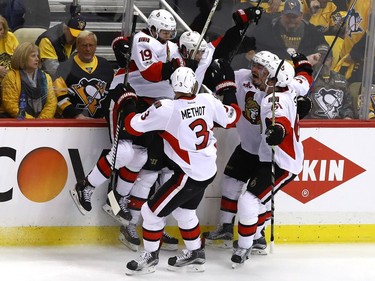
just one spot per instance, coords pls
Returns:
(58, 42)
(27, 77)
(288, 33)
(34, 13)
(330, 96)
(8, 43)
(83, 81)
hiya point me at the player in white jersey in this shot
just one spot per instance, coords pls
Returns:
(274, 79)
(186, 124)
(244, 160)
(156, 166)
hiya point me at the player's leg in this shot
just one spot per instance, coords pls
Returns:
(193, 257)
(138, 196)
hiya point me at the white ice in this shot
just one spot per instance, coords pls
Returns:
(296, 262)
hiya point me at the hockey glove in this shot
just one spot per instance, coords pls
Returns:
(122, 50)
(304, 105)
(219, 77)
(301, 64)
(169, 67)
(193, 64)
(243, 17)
(125, 97)
(275, 133)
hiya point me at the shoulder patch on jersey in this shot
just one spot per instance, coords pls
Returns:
(143, 39)
(157, 104)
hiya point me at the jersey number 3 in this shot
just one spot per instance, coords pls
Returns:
(203, 132)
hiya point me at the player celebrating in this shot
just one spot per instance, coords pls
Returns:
(244, 160)
(189, 143)
(279, 123)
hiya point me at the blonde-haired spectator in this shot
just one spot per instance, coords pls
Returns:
(26, 76)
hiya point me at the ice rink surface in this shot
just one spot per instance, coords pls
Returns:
(295, 262)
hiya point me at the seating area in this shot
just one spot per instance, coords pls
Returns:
(103, 17)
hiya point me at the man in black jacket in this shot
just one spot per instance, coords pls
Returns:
(58, 43)
(288, 33)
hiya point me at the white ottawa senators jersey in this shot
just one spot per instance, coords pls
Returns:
(248, 127)
(288, 154)
(145, 69)
(187, 124)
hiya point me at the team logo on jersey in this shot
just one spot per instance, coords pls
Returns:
(323, 170)
(91, 93)
(251, 111)
(354, 22)
(329, 101)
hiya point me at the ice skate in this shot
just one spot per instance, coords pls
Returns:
(144, 264)
(239, 256)
(123, 216)
(259, 246)
(221, 237)
(169, 243)
(190, 260)
(129, 237)
(81, 195)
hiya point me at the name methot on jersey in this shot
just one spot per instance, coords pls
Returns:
(192, 112)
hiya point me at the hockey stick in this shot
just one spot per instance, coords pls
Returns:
(243, 34)
(331, 46)
(204, 30)
(120, 119)
(272, 237)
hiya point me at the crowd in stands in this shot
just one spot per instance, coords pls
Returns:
(287, 27)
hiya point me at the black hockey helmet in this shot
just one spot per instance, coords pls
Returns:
(122, 49)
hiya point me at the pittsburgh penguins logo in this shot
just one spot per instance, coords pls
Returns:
(251, 111)
(354, 22)
(91, 93)
(329, 101)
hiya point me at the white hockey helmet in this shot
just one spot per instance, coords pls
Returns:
(282, 70)
(183, 80)
(264, 57)
(162, 20)
(190, 40)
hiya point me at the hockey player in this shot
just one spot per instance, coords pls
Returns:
(279, 131)
(130, 156)
(156, 166)
(244, 160)
(189, 143)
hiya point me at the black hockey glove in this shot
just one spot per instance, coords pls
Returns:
(304, 106)
(169, 67)
(122, 50)
(193, 64)
(275, 133)
(125, 97)
(301, 64)
(219, 77)
(249, 15)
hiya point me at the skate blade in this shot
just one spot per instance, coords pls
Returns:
(169, 247)
(146, 270)
(131, 246)
(259, 252)
(74, 195)
(109, 211)
(225, 244)
(188, 268)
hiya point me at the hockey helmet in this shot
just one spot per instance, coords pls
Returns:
(122, 50)
(183, 80)
(190, 40)
(162, 20)
(264, 57)
(282, 70)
